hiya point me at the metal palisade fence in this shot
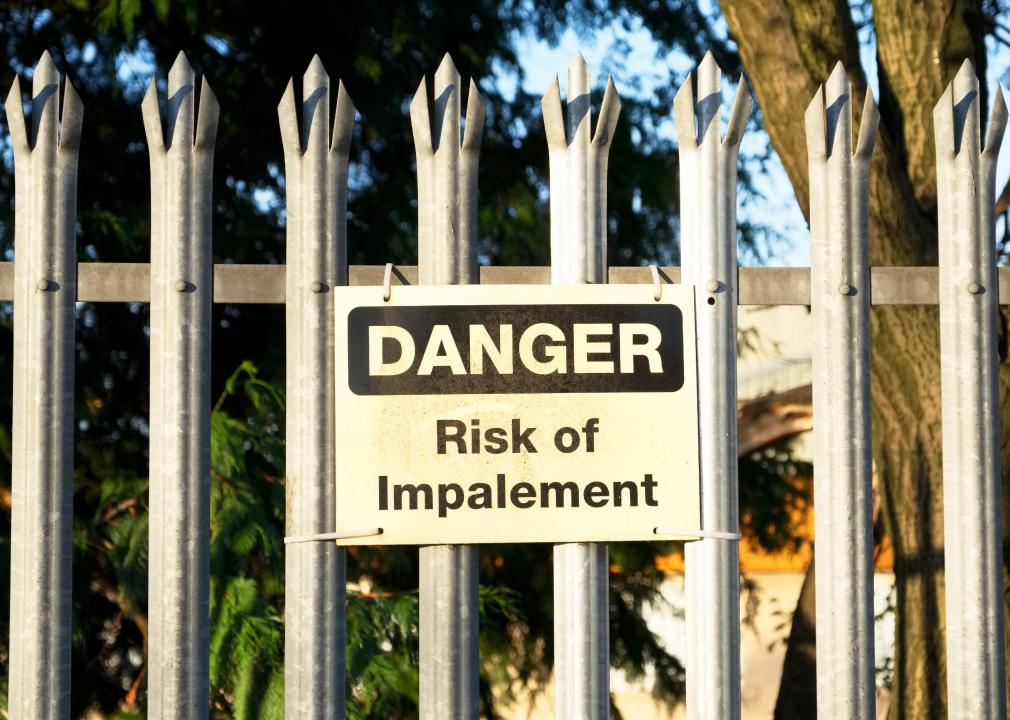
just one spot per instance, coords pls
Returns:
(180, 283)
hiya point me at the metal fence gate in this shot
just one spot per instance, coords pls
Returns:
(180, 284)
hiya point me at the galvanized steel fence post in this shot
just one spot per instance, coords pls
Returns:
(840, 306)
(966, 176)
(708, 252)
(42, 473)
(447, 255)
(181, 294)
(315, 166)
(578, 192)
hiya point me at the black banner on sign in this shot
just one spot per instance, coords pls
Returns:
(498, 349)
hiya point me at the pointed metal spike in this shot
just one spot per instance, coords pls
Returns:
(16, 117)
(838, 112)
(966, 73)
(152, 117)
(868, 124)
(45, 73)
(837, 77)
(709, 100)
(554, 120)
(837, 85)
(446, 75)
(965, 82)
(943, 121)
(964, 98)
(316, 68)
(420, 119)
(739, 114)
(709, 76)
(578, 106)
(45, 101)
(315, 79)
(610, 111)
(446, 106)
(683, 115)
(997, 124)
(578, 77)
(447, 116)
(207, 118)
(814, 122)
(180, 108)
(287, 115)
(475, 116)
(180, 75)
(343, 122)
(71, 118)
(315, 104)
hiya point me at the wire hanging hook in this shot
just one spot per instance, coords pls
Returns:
(387, 279)
(657, 283)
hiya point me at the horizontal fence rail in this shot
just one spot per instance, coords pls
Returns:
(99, 282)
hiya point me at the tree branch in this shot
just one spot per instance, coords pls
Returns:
(771, 418)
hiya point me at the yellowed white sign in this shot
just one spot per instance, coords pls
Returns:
(492, 413)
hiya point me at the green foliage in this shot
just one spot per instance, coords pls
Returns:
(634, 647)
(381, 655)
(246, 549)
(776, 492)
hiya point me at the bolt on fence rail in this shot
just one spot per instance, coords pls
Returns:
(181, 283)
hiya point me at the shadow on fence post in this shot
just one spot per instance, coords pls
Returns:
(966, 177)
(181, 294)
(447, 255)
(42, 473)
(578, 193)
(315, 168)
(708, 252)
(840, 311)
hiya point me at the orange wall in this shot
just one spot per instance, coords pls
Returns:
(754, 559)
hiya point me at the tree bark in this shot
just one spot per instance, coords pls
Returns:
(920, 46)
(788, 48)
(797, 698)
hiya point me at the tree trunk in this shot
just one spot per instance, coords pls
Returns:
(788, 48)
(798, 689)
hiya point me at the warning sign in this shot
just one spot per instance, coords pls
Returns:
(488, 414)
